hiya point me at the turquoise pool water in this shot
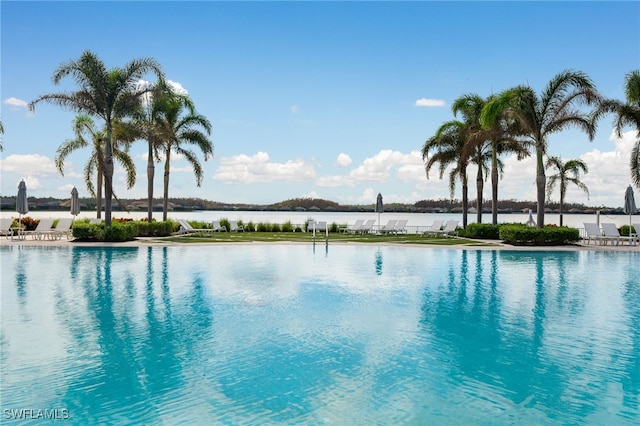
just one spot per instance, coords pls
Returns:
(280, 334)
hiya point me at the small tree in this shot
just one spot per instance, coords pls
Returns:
(568, 172)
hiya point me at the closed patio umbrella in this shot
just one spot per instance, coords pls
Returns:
(22, 205)
(630, 205)
(75, 203)
(379, 207)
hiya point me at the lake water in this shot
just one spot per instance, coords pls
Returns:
(283, 334)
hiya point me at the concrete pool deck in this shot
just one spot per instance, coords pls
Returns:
(154, 241)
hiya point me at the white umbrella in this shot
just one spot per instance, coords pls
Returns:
(379, 207)
(630, 206)
(22, 205)
(75, 203)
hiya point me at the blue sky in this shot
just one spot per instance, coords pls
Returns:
(317, 99)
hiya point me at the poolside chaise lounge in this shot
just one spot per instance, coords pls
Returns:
(62, 228)
(367, 226)
(611, 233)
(352, 229)
(186, 228)
(234, 227)
(43, 228)
(592, 232)
(449, 228)
(435, 227)
(400, 227)
(5, 226)
(389, 227)
(217, 227)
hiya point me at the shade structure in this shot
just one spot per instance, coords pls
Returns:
(630, 205)
(75, 202)
(379, 207)
(22, 205)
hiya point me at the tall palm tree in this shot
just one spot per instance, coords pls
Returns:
(485, 144)
(556, 109)
(1, 133)
(628, 114)
(147, 122)
(105, 93)
(568, 172)
(178, 125)
(446, 147)
(88, 135)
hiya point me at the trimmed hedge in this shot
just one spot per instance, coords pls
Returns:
(522, 234)
(483, 231)
(122, 231)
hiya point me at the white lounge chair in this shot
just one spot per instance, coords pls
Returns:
(592, 232)
(62, 228)
(367, 227)
(636, 234)
(186, 228)
(217, 227)
(234, 227)
(435, 227)
(389, 227)
(321, 226)
(611, 233)
(352, 229)
(449, 228)
(400, 227)
(43, 229)
(5, 226)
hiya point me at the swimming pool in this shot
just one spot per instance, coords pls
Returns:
(282, 334)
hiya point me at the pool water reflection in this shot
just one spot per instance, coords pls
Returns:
(285, 334)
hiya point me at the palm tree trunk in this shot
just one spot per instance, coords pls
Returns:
(108, 176)
(99, 194)
(165, 195)
(494, 185)
(480, 190)
(151, 169)
(561, 205)
(465, 197)
(541, 182)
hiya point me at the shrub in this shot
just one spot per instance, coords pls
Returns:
(156, 229)
(287, 226)
(485, 231)
(275, 227)
(520, 234)
(121, 231)
(28, 223)
(263, 227)
(624, 230)
(224, 222)
(249, 227)
(333, 227)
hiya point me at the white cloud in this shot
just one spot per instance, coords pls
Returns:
(426, 102)
(29, 164)
(259, 168)
(343, 160)
(294, 109)
(15, 102)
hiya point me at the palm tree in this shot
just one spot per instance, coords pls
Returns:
(105, 93)
(568, 172)
(146, 119)
(485, 144)
(628, 114)
(177, 123)
(1, 133)
(556, 109)
(88, 135)
(446, 147)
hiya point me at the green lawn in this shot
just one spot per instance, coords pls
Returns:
(303, 237)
